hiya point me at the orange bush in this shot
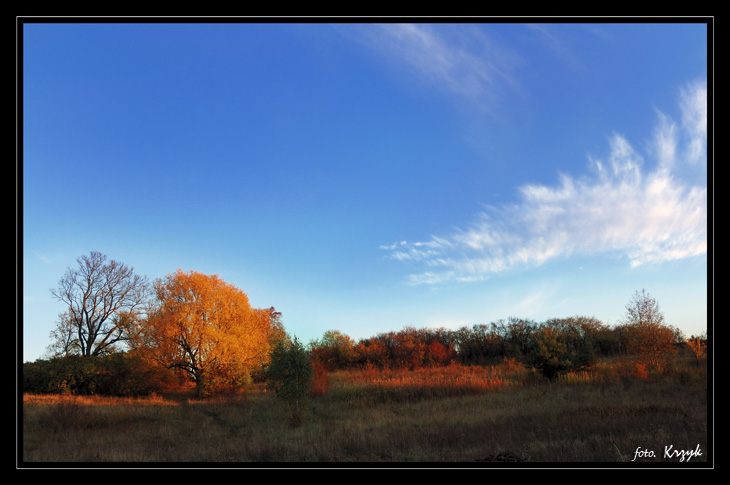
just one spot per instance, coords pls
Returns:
(320, 383)
(642, 371)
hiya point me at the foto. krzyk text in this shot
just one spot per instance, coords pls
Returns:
(669, 453)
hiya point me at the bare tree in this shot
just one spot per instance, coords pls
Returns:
(63, 338)
(105, 301)
(643, 309)
(647, 335)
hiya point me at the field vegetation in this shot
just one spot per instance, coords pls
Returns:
(465, 415)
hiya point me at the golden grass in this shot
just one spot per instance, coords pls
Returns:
(56, 399)
(456, 415)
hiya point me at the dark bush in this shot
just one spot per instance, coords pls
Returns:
(553, 352)
(111, 375)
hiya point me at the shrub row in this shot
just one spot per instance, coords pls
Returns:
(111, 375)
(553, 347)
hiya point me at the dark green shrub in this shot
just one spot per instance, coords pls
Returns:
(111, 375)
(553, 352)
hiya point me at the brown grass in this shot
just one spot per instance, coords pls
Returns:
(458, 415)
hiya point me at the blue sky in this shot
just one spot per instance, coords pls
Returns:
(367, 177)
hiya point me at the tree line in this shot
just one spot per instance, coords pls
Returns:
(121, 334)
(552, 347)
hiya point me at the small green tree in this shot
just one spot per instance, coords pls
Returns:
(290, 376)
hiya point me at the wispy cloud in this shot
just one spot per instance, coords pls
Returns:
(463, 63)
(621, 208)
(559, 47)
(42, 257)
(694, 120)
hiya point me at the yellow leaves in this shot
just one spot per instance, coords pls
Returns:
(203, 323)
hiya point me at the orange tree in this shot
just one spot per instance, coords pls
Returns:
(206, 328)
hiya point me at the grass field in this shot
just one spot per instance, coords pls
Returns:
(456, 416)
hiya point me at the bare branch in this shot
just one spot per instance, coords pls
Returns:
(104, 300)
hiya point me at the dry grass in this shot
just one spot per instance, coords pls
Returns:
(457, 415)
(372, 386)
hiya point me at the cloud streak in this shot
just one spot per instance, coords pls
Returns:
(465, 63)
(620, 209)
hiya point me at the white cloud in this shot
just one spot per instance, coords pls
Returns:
(622, 209)
(464, 63)
(694, 119)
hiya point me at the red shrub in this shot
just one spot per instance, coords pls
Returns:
(320, 383)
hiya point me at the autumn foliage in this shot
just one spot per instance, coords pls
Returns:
(554, 348)
(697, 347)
(198, 328)
(409, 348)
(645, 333)
(206, 328)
